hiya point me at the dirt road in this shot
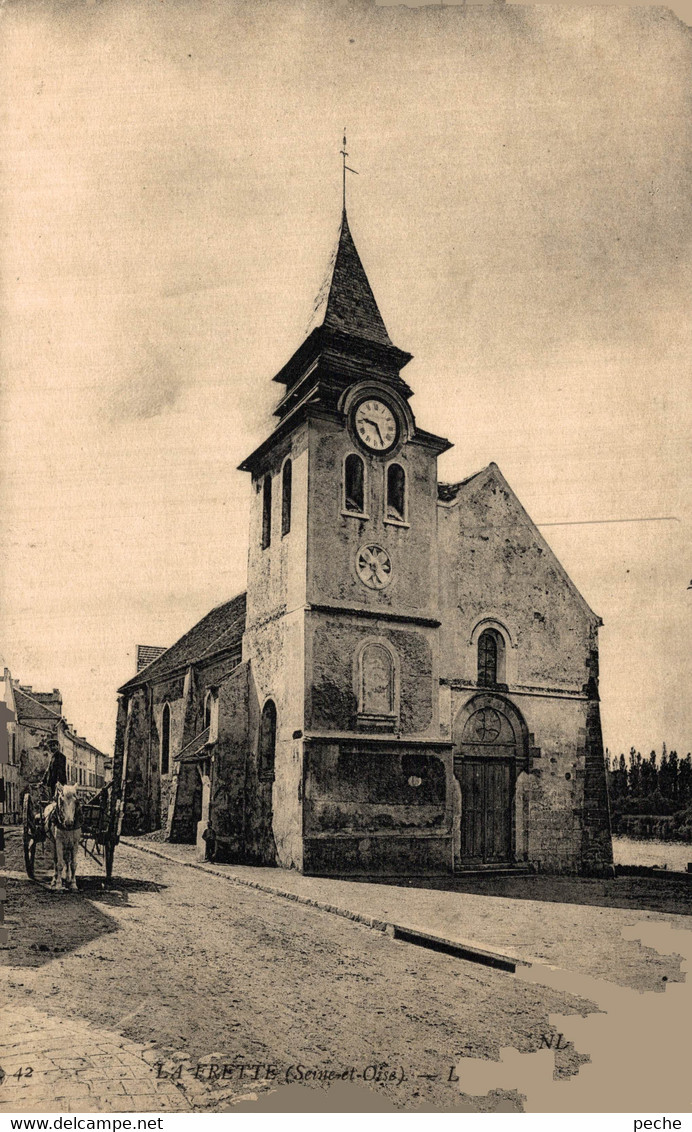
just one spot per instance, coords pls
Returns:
(212, 973)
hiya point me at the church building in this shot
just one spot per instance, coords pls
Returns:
(409, 686)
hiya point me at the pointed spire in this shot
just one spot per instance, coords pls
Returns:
(348, 304)
(346, 339)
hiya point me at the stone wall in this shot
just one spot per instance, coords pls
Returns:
(187, 804)
(229, 776)
(334, 537)
(334, 643)
(273, 645)
(496, 566)
(277, 673)
(561, 820)
(597, 843)
(498, 571)
(137, 810)
(376, 809)
(276, 573)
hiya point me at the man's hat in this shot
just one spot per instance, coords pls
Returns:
(53, 744)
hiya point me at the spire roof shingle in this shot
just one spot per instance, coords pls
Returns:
(346, 302)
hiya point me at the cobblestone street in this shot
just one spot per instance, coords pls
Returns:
(178, 968)
(80, 1068)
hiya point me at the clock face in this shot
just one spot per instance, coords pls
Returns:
(376, 425)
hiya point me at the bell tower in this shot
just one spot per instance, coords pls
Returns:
(371, 511)
(342, 606)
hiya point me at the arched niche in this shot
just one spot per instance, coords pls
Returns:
(267, 743)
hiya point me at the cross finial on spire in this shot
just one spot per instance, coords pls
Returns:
(346, 168)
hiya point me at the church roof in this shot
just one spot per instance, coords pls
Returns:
(29, 708)
(346, 336)
(194, 748)
(448, 492)
(147, 653)
(345, 302)
(220, 629)
(346, 342)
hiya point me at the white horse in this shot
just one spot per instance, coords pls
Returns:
(63, 820)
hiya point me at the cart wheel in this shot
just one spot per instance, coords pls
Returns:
(109, 851)
(29, 835)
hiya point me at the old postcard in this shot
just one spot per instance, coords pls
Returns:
(346, 578)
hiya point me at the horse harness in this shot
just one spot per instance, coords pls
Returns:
(55, 819)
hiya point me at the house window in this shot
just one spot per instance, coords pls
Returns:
(354, 484)
(490, 655)
(207, 711)
(267, 743)
(395, 507)
(266, 512)
(286, 486)
(376, 681)
(165, 739)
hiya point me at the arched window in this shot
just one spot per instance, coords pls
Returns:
(165, 739)
(354, 484)
(267, 743)
(266, 512)
(376, 680)
(210, 717)
(490, 655)
(395, 507)
(286, 487)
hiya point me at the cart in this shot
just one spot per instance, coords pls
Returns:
(100, 824)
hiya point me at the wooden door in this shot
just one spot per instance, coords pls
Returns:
(487, 788)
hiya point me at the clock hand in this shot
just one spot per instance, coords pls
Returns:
(369, 421)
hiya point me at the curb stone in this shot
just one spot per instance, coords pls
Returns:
(466, 949)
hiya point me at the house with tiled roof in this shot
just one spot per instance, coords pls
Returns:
(409, 685)
(32, 719)
(30, 723)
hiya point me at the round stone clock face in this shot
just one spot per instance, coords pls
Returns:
(374, 567)
(376, 425)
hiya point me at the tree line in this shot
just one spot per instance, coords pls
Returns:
(651, 797)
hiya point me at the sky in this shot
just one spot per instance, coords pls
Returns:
(170, 198)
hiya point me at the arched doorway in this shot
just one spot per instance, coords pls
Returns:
(491, 747)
